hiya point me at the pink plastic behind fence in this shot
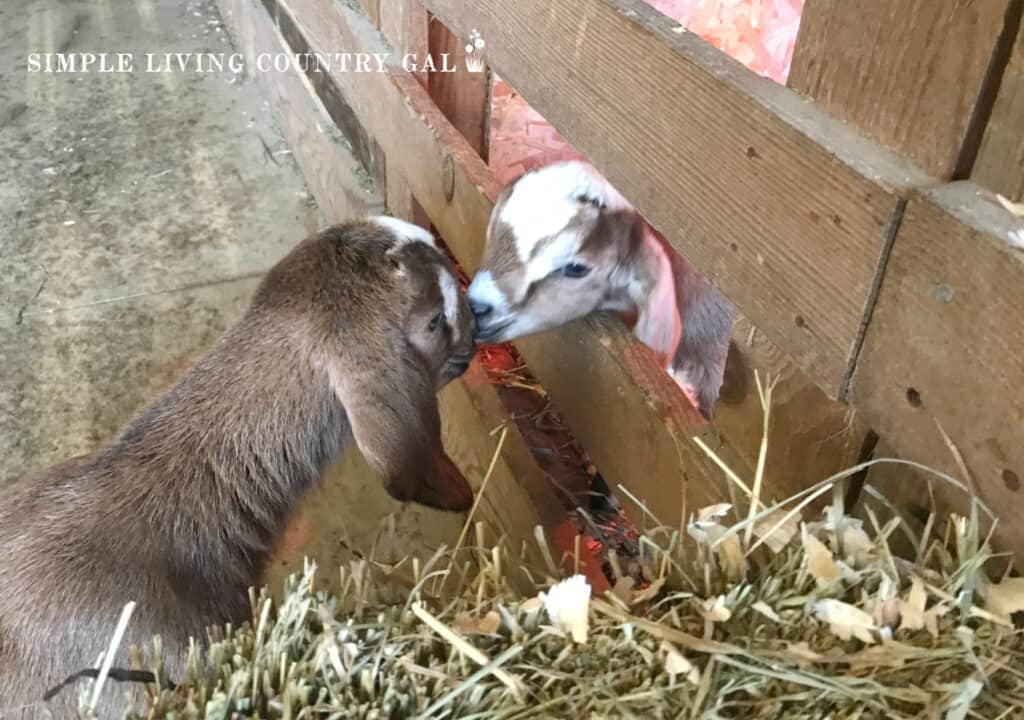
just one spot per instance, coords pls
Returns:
(758, 33)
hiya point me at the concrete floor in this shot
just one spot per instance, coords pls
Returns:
(137, 213)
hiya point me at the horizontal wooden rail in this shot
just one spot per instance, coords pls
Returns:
(784, 208)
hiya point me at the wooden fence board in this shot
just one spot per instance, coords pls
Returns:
(1000, 164)
(946, 348)
(464, 97)
(325, 161)
(405, 25)
(911, 73)
(785, 209)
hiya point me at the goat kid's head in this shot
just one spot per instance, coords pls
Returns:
(436, 314)
(556, 237)
(380, 299)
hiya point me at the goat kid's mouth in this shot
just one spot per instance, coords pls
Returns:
(457, 366)
(491, 332)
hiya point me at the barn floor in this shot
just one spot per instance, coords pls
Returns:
(138, 213)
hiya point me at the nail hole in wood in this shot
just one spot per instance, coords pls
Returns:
(913, 397)
(800, 322)
(1011, 480)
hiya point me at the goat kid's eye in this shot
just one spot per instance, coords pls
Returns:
(574, 270)
(435, 322)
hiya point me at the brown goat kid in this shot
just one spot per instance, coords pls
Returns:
(348, 338)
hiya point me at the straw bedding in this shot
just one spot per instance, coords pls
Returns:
(749, 611)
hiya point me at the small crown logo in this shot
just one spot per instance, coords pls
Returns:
(475, 52)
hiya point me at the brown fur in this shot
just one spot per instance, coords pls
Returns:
(181, 510)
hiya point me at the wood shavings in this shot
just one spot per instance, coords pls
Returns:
(845, 620)
(730, 555)
(1005, 598)
(960, 707)
(677, 664)
(802, 653)
(760, 34)
(1017, 238)
(912, 609)
(820, 563)
(777, 529)
(714, 610)
(568, 606)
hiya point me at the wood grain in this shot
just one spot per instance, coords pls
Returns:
(319, 147)
(784, 208)
(811, 436)
(1000, 163)
(909, 72)
(464, 97)
(519, 495)
(363, 146)
(945, 348)
(404, 24)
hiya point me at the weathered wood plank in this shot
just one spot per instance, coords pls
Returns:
(811, 435)
(784, 208)
(463, 96)
(1000, 164)
(320, 149)
(945, 347)
(362, 145)
(404, 24)
(519, 495)
(911, 73)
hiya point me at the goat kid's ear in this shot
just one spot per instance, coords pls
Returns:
(704, 347)
(395, 422)
(658, 324)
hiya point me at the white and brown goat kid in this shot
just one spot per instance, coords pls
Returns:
(347, 340)
(563, 243)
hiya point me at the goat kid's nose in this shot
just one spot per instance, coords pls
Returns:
(480, 309)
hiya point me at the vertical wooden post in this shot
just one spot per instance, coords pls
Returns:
(463, 96)
(404, 24)
(916, 74)
(1000, 164)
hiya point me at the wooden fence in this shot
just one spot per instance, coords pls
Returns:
(849, 217)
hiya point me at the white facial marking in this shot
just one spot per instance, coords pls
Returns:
(543, 202)
(450, 292)
(403, 231)
(483, 290)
